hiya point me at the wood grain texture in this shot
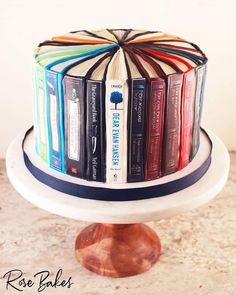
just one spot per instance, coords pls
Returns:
(117, 250)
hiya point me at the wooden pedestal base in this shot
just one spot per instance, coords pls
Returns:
(117, 250)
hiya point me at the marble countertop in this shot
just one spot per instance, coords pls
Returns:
(198, 249)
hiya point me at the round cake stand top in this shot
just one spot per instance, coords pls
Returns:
(118, 212)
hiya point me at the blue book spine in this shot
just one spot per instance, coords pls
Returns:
(136, 127)
(54, 105)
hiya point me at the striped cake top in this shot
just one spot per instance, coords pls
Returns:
(165, 52)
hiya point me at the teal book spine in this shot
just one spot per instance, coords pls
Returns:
(54, 93)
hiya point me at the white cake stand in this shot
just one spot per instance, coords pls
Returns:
(118, 244)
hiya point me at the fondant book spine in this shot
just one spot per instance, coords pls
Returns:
(155, 117)
(36, 111)
(199, 94)
(116, 135)
(187, 106)
(136, 130)
(95, 130)
(40, 117)
(74, 116)
(202, 92)
(55, 128)
(172, 124)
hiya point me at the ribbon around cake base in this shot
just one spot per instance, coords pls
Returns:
(123, 194)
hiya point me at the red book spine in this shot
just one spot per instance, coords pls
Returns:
(187, 113)
(155, 122)
(170, 156)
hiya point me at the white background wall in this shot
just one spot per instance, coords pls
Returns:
(208, 23)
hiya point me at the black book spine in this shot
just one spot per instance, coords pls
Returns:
(95, 130)
(74, 120)
(136, 130)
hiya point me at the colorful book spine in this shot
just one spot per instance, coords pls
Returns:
(136, 130)
(187, 107)
(199, 94)
(95, 130)
(155, 123)
(40, 117)
(74, 116)
(170, 153)
(202, 93)
(116, 131)
(54, 117)
(35, 111)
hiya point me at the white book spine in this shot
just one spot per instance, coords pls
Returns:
(199, 79)
(116, 131)
(54, 119)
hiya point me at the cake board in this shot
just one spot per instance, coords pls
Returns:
(118, 244)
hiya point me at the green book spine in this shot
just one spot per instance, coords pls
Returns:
(40, 126)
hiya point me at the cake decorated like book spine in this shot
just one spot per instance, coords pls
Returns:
(40, 113)
(187, 105)
(74, 124)
(55, 128)
(170, 158)
(136, 139)
(95, 130)
(115, 118)
(198, 104)
(154, 131)
(118, 106)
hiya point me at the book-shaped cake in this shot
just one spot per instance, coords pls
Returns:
(118, 106)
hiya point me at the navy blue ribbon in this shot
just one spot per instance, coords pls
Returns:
(123, 194)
